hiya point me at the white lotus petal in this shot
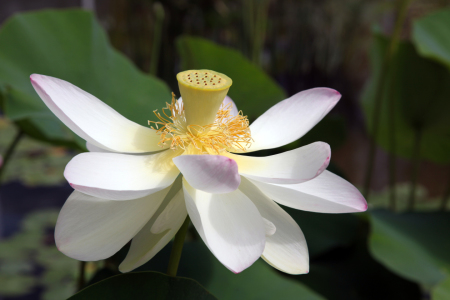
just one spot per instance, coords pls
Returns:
(93, 120)
(290, 119)
(286, 249)
(175, 210)
(118, 176)
(146, 244)
(229, 224)
(327, 193)
(90, 228)
(210, 173)
(295, 166)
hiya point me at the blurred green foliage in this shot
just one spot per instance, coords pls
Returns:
(69, 45)
(442, 290)
(430, 35)
(415, 98)
(414, 245)
(33, 163)
(30, 250)
(423, 202)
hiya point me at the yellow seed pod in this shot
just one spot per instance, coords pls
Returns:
(202, 91)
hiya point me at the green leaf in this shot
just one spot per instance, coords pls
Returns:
(418, 90)
(70, 45)
(414, 245)
(259, 282)
(442, 290)
(144, 285)
(253, 91)
(430, 35)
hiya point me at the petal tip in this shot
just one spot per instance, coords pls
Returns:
(324, 166)
(365, 206)
(34, 78)
(122, 269)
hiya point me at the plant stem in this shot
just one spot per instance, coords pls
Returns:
(81, 275)
(416, 167)
(391, 146)
(261, 12)
(177, 248)
(392, 48)
(157, 33)
(249, 25)
(446, 197)
(10, 151)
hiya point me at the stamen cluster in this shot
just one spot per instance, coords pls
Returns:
(226, 133)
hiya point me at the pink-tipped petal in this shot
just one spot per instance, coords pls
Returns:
(290, 119)
(93, 120)
(295, 166)
(327, 193)
(229, 224)
(209, 173)
(286, 248)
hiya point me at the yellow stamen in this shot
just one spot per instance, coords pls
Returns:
(226, 133)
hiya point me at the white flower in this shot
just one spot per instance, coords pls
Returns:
(124, 192)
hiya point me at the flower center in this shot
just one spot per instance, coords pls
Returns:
(203, 92)
(226, 133)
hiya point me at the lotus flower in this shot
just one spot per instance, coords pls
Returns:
(129, 187)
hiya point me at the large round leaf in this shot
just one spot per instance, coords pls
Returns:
(414, 245)
(71, 45)
(144, 285)
(430, 35)
(259, 282)
(253, 91)
(418, 90)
